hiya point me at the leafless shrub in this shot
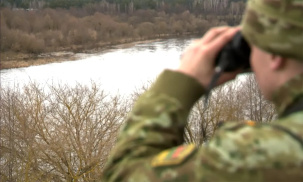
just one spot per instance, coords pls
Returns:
(6, 37)
(53, 38)
(19, 22)
(62, 134)
(177, 27)
(145, 29)
(161, 28)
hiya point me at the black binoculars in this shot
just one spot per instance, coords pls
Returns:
(234, 55)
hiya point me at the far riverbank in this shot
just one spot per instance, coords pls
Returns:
(11, 59)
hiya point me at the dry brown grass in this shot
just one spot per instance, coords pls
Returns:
(10, 60)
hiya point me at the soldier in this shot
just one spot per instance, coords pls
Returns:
(151, 146)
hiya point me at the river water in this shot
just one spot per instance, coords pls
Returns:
(120, 70)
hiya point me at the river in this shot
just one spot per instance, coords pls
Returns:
(119, 71)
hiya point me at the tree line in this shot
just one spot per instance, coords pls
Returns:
(104, 23)
(125, 5)
(66, 133)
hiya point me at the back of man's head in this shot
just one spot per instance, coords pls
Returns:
(275, 26)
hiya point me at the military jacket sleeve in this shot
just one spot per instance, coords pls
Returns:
(151, 147)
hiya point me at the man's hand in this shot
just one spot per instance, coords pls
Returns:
(198, 59)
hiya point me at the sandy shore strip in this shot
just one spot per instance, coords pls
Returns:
(9, 60)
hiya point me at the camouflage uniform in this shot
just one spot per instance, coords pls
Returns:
(151, 146)
(275, 26)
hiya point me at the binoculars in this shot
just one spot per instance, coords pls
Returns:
(234, 55)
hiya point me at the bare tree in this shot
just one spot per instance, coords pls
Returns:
(236, 101)
(64, 134)
(257, 108)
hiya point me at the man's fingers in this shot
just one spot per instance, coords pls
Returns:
(212, 33)
(218, 43)
(208, 37)
(197, 60)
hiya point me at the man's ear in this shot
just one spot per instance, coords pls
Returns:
(277, 62)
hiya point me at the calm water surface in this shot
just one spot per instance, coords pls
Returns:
(117, 71)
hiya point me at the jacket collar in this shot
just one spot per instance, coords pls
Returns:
(288, 95)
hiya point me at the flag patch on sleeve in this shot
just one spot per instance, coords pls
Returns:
(173, 156)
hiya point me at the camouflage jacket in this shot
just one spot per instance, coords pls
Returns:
(151, 147)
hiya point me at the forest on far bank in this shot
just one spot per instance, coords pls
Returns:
(99, 23)
(126, 6)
